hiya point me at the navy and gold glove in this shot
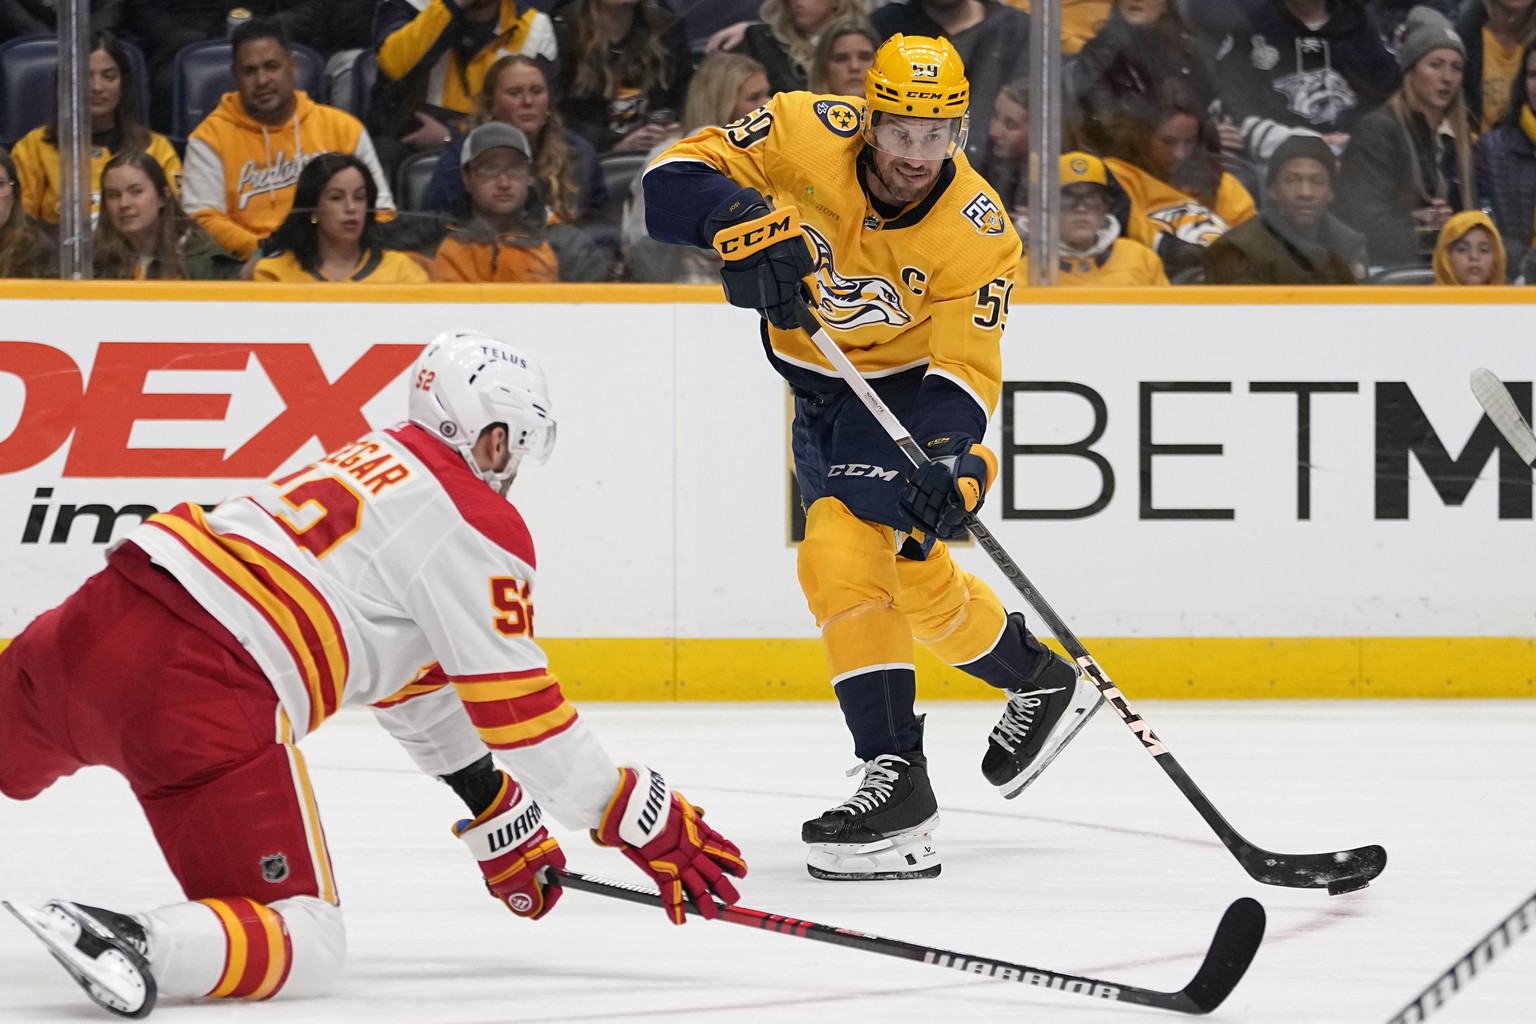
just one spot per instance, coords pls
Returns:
(766, 255)
(941, 494)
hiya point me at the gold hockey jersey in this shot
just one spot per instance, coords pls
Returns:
(929, 287)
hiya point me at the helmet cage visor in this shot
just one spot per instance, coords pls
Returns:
(917, 138)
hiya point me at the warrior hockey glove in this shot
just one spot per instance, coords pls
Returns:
(765, 252)
(938, 496)
(666, 836)
(514, 850)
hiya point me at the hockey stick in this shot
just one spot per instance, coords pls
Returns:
(1464, 970)
(1340, 871)
(1495, 399)
(1237, 940)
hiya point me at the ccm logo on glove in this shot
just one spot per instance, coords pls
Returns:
(754, 236)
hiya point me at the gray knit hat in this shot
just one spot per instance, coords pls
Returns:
(1426, 29)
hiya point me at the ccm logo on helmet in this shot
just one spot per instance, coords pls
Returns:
(753, 238)
(925, 95)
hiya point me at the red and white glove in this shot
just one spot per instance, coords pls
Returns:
(666, 835)
(514, 850)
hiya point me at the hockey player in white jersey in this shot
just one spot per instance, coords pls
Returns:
(392, 574)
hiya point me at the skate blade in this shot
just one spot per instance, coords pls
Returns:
(906, 855)
(872, 876)
(1084, 710)
(122, 983)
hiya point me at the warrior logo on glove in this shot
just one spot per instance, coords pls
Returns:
(515, 851)
(667, 838)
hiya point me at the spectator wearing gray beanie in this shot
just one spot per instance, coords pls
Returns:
(1426, 30)
(1409, 165)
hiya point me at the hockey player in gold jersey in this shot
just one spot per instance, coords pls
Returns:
(909, 259)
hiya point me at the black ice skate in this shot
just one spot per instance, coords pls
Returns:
(885, 830)
(105, 952)
(1041, 716)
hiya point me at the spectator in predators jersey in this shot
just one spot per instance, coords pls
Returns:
(1182, 198)
(502, 232)
(1506, 166)
(1295, 239)
(25, 250)
(991, 38)
(115, 128)
(1409, 165)
(244, 160)
(1092, 252)
(143, 234)
(332, 233)
(624, 70)
(215, 639)
(1469, 251)
(1301, 66)
(844, 52)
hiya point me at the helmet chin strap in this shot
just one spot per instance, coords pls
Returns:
(499, 480)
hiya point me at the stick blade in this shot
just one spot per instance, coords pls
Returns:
(1237, 940)
(1312, 870)
(1496, 401)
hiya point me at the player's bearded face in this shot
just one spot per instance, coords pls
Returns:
(908, 152)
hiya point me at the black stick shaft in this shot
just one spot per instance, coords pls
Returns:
(1237, 939)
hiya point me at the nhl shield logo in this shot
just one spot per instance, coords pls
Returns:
(274, 868)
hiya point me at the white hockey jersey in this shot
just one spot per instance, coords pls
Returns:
(350, 580)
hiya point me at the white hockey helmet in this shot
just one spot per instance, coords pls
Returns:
(465, 381)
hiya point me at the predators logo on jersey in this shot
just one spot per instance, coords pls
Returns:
(848, 302)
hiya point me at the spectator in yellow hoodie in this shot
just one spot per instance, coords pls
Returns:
(244, 160)
(115, 128)
(1469, 250)
(331, 234)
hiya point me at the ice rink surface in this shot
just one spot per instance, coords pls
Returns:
(1100, 868)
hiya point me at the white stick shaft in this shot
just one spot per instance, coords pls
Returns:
(1496, 401)
(861, 387)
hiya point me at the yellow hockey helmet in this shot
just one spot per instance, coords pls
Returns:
(917, 76)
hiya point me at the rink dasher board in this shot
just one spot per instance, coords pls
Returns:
(1153, 484)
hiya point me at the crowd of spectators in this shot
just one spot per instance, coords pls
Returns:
(1220, 141)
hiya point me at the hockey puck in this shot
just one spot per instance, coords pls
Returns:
(1339, 886)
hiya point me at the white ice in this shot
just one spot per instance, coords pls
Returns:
(1101, 868)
